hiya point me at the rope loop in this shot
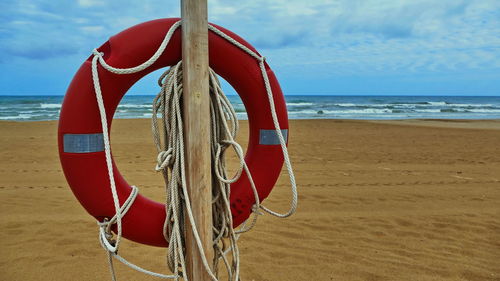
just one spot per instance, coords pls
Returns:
(105, 234)
(106, 238)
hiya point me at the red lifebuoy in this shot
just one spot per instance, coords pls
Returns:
(80, 135)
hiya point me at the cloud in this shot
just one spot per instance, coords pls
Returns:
(391, 19)
(92, 29)
(301, 39)
(395, 37)
(32, 10)
(37, 51)
(90, 3)
(285, 39)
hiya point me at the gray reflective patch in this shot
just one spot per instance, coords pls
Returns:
(83, 143)
(270, 137)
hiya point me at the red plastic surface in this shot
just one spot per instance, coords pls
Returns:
(86, 173)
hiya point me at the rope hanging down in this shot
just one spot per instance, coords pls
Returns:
(169, 143)
(168, 137)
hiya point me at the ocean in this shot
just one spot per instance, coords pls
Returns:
(34, 108)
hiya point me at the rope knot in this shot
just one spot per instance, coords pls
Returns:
(106, 236)
(164, 159)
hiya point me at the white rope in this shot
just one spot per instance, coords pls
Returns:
(168, 103)
(147, 63)
(105, 226)
(171, 158)
(288, 164)
(107, 152)
(112, 246)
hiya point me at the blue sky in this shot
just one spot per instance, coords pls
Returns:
(413, 47)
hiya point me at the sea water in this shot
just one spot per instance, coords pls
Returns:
(31, 108)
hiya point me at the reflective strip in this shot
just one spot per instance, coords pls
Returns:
(83, 143)
(270, 137)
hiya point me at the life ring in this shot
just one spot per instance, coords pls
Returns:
(81, 148)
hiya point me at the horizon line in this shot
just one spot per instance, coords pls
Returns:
(341, 95)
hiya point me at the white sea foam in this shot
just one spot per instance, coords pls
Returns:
(437, 103)
(348, 104)
(305, 111)
(299, 103)
(484, 110)
(50, 105)
(359, 111)
(382, 107)
(20, 116)
(428, 110)
(135, 106)
(471, 105)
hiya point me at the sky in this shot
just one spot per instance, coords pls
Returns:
(315, 47)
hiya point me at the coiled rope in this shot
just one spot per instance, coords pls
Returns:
(169, 143)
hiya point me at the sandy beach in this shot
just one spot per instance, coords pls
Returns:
(379, 200)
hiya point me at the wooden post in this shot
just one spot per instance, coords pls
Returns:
(196, 105)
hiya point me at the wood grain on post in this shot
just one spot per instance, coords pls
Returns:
(197, 133)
